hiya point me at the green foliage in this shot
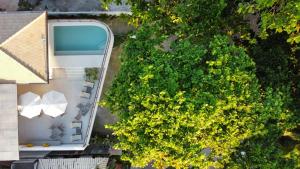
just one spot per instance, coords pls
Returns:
(206, 102)
(277, 15)
(185, 18)
(103, 140)
(174, 105)
(91, 74)
(24, 5)
(272, 63)
(264, 150)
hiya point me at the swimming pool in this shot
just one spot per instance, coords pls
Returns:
(79, 40)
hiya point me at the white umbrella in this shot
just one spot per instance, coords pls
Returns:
(30, 104)
(54, 103)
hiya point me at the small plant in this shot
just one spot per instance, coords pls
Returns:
(104, 140)
(45, 145)
(115, 162)
(24, 5)
(91, 74)
(29, 145)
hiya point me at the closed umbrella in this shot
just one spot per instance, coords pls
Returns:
(54, 103)
(30, 104)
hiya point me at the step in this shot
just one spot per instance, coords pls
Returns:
(75, 73)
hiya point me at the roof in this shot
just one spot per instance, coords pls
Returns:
(9, 144)
(12, 22)
(24, 164)
(73, 163)
(23, 36)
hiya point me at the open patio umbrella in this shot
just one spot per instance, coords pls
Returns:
(54, 103)
(30, 104)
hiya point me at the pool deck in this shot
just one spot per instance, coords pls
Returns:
(69, 80)
(66, 61)
(37, 128)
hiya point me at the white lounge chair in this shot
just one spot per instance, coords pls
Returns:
(76, 137)
(85, 95)
(88, 84)
(76, 124)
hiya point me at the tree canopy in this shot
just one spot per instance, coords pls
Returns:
(191, 106)
(278, 15)
(214, 97)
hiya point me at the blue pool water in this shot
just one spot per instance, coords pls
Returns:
(79, 40)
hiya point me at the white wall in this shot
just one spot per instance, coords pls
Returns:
(76, 61)
(63, 147)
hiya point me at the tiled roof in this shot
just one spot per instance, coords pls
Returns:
(12, 22)
(9, 144)
(23, 36)
(73, 163)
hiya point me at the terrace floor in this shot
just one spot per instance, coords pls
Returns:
(37, 129)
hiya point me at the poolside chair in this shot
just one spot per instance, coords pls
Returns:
(84, 89)
(85, 95)
(80, 105)
(84, 110)
(78, 131)
(52, 127)
(88, 84)
(78, 116)
(87, 89)
(76, 137)
(76, 124)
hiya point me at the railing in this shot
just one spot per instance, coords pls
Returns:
(98, 90)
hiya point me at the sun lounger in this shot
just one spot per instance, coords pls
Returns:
(87, 89)
(78, 116)
(86, 109)
(76, 124)
(76, 137)
(85, 95)
(88, 84)
(84, 89)
(78, 131)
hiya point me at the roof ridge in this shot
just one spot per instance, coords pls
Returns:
(24, 27)
(23, 63)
